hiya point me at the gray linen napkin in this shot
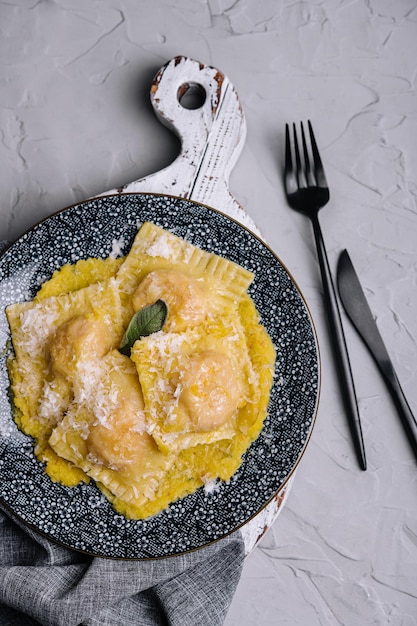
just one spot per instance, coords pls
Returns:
(43, 583)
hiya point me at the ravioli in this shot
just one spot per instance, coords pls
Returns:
(194, 383)
(176, 414)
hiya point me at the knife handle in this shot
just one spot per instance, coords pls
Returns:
(339, 345)
(403, 408)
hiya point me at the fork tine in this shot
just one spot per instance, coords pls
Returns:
(289, 174)
(288, 157)
(319, 169)
(307, 166)
(301, 179)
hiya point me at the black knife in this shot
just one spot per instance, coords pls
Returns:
(357, 309)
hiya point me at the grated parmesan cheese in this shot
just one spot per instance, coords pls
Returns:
(136, 426)
(161, 247)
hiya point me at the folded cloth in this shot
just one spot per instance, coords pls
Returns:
(43, 583)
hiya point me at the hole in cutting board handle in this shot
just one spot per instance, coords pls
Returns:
(191, 96)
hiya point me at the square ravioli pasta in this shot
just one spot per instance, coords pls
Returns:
(179, 409)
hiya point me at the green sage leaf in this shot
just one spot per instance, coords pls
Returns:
(145, 322)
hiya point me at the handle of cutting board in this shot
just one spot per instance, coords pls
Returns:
(212, 136)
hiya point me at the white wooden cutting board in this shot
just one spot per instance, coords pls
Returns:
(212, 136)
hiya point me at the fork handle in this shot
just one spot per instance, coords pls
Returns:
(339, 345)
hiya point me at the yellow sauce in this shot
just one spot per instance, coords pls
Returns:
(176, 415)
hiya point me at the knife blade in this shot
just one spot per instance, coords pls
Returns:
(357, 308)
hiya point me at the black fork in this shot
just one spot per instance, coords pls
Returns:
(307, 192)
